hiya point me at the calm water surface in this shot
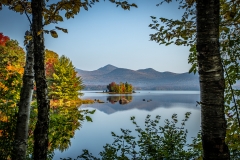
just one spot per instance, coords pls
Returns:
(111, 116)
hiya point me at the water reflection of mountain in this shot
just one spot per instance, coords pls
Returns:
(151, 102)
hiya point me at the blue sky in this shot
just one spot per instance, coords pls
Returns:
(108, 35)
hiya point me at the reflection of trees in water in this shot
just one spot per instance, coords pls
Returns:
(64, 120)
(152, 101)
(122, 99)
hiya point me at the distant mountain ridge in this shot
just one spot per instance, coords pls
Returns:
(141, 79)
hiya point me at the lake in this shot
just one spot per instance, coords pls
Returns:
(111, 116)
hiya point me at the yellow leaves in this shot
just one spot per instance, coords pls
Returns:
(45, 17)
(76, 9)
(62, 29)
(69, 15)
(225, 29)
(229, 15)
(134, 5)
(39, 32)
(58, 18)
(190, 2)
(65, 30)
(54, 34)
(3, 87)
(67, 6)
(18, 8)
(27, 39)
(3, 118)
(229, 11)
(4, 1)
(46, 31)
(234, 8)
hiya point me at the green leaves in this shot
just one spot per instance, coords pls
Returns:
(11, 70)
(63, 82)
(91, 112)
(183, 32)
(152, 142)
(89, 119)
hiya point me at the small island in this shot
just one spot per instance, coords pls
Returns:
(121, 88)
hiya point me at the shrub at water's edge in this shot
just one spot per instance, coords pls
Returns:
(153, 142)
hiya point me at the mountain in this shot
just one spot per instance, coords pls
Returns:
(103, 70)
(140, 79)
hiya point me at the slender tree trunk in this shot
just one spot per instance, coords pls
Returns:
(41, 130)
(21, 135)
(211, 81)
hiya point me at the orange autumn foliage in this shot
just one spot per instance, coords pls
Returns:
(12, 60)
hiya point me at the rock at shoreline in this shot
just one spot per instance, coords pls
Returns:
(123, 101)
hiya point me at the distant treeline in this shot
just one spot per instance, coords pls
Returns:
(167, 87)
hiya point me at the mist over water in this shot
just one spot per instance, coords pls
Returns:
(113, 116)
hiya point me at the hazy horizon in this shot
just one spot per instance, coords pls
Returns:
(124, 68)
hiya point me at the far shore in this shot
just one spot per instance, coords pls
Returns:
(116, 92)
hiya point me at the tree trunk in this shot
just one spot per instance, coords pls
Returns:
(21, 135)
(41, 130)
(211, 81)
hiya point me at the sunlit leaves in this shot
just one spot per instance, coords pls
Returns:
(64, 82)
(54, 12)
(62, 29)
(11, 69)
(39, 32)
(12, 59)
(50, 59)
(18, 8)
(54, 34)
(120, 88)
(124, 4)
(58, 18)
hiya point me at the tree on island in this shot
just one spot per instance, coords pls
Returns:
(120, 88)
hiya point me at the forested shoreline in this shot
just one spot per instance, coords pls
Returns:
(39, 91)
(63, 86)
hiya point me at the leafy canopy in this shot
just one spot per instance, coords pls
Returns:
(55, 12)
(183, 32)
